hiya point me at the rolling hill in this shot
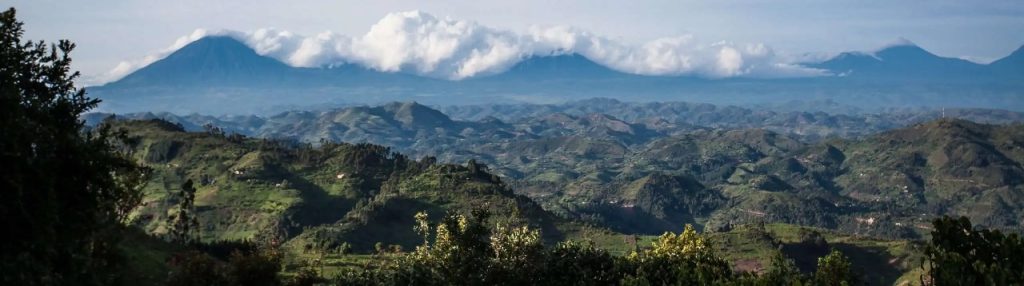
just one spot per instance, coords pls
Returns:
(362, 194)
(648, 178)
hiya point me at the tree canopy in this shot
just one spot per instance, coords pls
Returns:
(64, 191)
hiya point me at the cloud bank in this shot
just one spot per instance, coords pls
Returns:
(420, 43)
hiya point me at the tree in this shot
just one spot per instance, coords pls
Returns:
(516, 251)
(579, 263)
(686, 258)
(834, 270)
(184, 224)
(781, 271)
(461, 250)
(64, 192)
(960, 255)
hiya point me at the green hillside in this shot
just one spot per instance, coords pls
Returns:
(358, 195)
(327, 195)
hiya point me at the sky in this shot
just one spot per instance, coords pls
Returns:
(640, 36)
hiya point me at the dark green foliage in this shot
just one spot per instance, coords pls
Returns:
(255, 269)
(958, 254)
(461, 250)
(307, 277)
(163, 151)
(781, 271)
(223, 249)
(184, 223)
(195, 268)
(579, 263)
(64, 192)
(811, 245)
(834, 269)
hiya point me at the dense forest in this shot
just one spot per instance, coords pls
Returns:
(145, 202)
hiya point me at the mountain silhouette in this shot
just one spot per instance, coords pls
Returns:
(1012, 64)
(561, 67)
(220, 74)
(901, 62)
(217, 59)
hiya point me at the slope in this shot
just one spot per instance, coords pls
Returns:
(359, 194)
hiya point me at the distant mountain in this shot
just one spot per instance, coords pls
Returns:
(413, 127)
(415, 115)
(211, 60)
(557, 67)
(221, 75)
(1012, 64)
(222, 61)
(902, 62)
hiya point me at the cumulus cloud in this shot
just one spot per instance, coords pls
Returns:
(420, 43)
(423, 44)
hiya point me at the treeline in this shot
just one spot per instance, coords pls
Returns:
(465, 250)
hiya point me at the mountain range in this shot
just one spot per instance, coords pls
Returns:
(220, 75)
(402, 124)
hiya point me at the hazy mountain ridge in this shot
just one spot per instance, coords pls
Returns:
(603, 118)
(909, 62)
(219, 75)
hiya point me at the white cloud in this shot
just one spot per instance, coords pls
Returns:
(420, 43)
(423, 44)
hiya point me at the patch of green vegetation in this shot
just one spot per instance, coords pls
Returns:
(146, 258)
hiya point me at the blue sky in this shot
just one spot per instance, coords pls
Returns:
(109, 32)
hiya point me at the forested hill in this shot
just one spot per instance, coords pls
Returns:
(884, 185)
(889, 185)
(333, 193)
